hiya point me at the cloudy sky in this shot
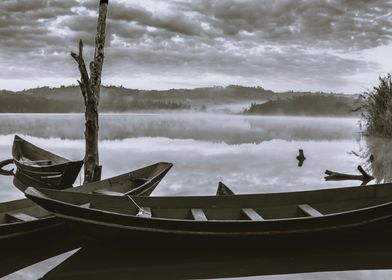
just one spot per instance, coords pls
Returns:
(327, 45)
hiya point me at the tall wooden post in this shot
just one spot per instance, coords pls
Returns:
(90, 87)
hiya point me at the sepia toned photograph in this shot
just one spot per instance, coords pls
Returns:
(196, 139)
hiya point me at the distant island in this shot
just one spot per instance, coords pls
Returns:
(308, 105)
(251, 100)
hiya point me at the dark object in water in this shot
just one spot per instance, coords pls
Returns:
(23, 217)
(336, 176)
(301, 157)
(234, 219)
(39, 168)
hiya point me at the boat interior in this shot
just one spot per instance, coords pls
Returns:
(23, 210)
(257, 207)
(129, 183)
(29, 154)
(137, 182)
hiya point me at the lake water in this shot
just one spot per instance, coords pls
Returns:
(248, 153)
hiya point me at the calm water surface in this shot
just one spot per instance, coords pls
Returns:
(248, 153)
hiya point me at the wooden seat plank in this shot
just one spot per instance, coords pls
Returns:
(52, 176)
(198, 214)
(21, 216)
(144, 212)
(251, 214)
(85, 205)
(309, 210)
(106, 192)
(32, 162)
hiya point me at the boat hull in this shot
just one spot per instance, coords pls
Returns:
(112, 226)
(128, 183)
(56, 173)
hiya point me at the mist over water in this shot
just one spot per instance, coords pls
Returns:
(251, 154)
(231, 129)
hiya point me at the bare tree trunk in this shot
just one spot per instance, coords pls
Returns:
(90, 87)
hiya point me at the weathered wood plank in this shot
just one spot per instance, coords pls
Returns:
(198, 214)
(36, 162)
(309, 210)
(85, 205)
(21, 216)
(251, 214)
(144, 212)
(106, 192)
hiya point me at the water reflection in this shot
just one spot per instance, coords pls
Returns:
(250, 154)
(97, 261)
(26, 251)
(270, 166)
(376, 155)
(231, 129)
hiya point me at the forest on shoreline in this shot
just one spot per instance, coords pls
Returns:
(313, 105)
(68, 99)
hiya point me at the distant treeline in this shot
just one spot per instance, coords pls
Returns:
(313, 105)
(31, 103)
(119, 99)
(23, 103)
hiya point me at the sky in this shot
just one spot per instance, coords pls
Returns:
(318, 45)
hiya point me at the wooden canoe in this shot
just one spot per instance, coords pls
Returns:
(351, 210)
(40, 168)
(24, 217)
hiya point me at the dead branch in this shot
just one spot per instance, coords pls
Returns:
(336, 176)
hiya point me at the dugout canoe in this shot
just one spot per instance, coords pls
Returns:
(229, 218)
(23, 217)
(38, 167)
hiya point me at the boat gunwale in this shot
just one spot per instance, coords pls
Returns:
(27, 167)
(51, 216)
(43, 196)
(215, 233)
(60, 158)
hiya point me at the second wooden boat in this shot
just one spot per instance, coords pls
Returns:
(41, 168)
(23, 217)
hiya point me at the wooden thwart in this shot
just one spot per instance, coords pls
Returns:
(30, 162)
(52, 176)
(106, 192)
(251, 214)
(309, 210)
(22, 217)
(85, 205)
(198, 214)
(144, 212)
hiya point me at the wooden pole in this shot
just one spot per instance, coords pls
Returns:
(90, 87)
(301, 157)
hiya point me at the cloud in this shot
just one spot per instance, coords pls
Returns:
(300, 41)
(341, 24)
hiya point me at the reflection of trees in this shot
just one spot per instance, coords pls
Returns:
(376, 155)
